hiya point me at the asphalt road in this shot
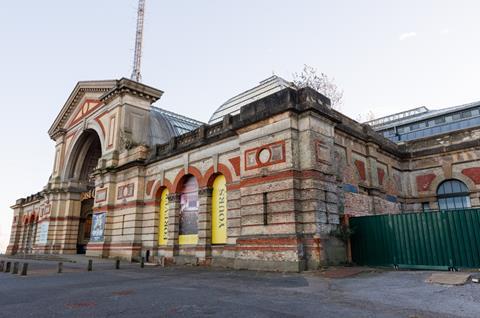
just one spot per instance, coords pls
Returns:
(206, 292)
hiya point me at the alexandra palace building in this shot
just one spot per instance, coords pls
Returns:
(264, 185)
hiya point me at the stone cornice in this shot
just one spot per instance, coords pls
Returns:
(125, 86)
(57, 133)
(78, 92)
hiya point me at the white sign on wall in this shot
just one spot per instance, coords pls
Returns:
(98, 226)
(43, 233)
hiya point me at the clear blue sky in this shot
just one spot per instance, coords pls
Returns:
(388, 56)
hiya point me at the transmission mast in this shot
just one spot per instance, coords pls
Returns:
(137, 58)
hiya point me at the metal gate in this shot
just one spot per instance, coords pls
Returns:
(444, 239)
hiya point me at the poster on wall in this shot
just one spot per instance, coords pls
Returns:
(98, 226)
(163, 226)
(219, 211)
(188, 232)
(43, 233)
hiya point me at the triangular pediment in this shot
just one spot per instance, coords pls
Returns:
(84, 99)
(84, 108)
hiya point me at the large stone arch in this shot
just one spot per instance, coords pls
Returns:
(81, 160)
(91, 126)
(83, 156)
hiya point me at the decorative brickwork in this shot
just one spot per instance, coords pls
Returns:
(150, 186)
(236, 165)
(472, 173)
(125, 191)
(424, 181)
(381, 175)
(265, 155)
(361, 169)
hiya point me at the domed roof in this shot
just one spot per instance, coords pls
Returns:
(266, 87)
(165, 124)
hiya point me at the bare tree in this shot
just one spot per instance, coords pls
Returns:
(320, 82)
(370, 115)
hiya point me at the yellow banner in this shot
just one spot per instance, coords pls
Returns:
(219, 211)
(188, 239)
(163, 225)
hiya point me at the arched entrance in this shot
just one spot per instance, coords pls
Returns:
(83, 161)
(84, 225)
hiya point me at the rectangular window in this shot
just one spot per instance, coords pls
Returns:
(456, 116)
(425, 206)
(265, 209)
(123, 223)
(466, 114)
(414, 127)
(439, 120)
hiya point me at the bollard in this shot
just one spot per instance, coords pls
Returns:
(60, 267)
(117, 264)
(24, 269)
(90, 265)
(2, 266)
(15, 268)
(142, 262)
(7, 267)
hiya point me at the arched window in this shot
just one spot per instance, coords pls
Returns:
(163, 224)
(219, 210)
(453, 194)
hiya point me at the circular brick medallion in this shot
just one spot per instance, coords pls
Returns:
(264, 155)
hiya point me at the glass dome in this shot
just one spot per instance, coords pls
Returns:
(266, 87)
(165, 124)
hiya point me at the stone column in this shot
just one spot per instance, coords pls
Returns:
(204, 246)
(67, 226)
(105, 189)
(173, 225)
(15, 231)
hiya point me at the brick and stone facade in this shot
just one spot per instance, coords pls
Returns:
(293, 167)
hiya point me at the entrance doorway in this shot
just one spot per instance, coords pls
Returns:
(85, 225)
(84, 160)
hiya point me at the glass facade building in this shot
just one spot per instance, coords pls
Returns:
(421, 122)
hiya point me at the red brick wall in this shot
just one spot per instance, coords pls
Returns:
(424, 181)
(381, 175)
(361, 169)
(472, 173)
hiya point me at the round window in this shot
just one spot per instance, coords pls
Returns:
(264, 155)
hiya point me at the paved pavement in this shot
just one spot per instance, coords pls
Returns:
(208, 292)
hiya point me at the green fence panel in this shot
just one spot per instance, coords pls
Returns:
(426, 240)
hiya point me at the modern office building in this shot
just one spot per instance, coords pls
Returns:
(421, 122)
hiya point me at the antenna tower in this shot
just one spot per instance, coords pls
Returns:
(137, 58)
